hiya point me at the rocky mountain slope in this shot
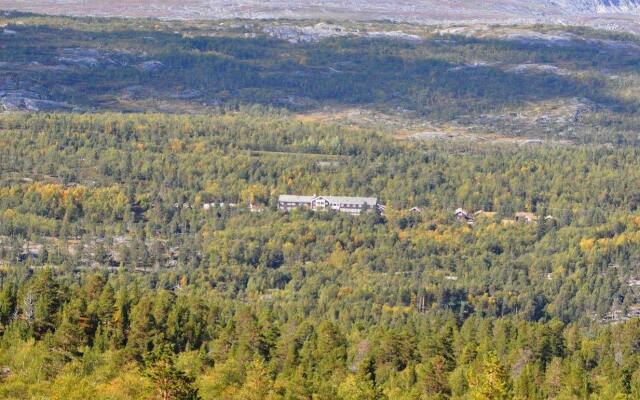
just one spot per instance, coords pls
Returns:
(424, 10)
(616, 15)
(603, 6)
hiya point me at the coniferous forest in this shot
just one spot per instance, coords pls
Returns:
(143, 254)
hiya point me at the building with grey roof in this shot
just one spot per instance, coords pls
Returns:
(351, 205)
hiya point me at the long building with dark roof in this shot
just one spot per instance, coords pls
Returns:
(351, 205)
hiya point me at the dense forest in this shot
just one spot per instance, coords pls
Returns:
(143, 254)
(119, 282)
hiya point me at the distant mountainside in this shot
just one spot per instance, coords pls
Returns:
(603, 5)
(607, 14)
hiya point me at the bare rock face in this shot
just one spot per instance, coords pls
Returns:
(87, 57)
(303, 34)
(20, 100)
(151, 66)
(604, 6)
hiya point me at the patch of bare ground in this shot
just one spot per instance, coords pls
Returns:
(169, 106)
(533, 35)
(460, 134)
(561, 119)
(391, 121)
(533, 123)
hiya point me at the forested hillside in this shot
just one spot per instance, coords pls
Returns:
(143, 254)
(123, 277)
